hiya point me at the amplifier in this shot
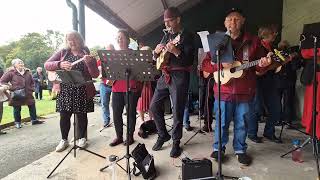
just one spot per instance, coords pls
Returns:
(193, 169)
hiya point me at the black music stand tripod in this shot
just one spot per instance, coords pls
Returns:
(127, 65)
(200, 59)
(74, 78)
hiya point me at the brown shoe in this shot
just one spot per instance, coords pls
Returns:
(116, 141)
(130, 141)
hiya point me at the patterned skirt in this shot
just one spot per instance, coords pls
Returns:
(74, 99)
(145, 98)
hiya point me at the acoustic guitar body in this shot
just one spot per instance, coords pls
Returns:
(228, 73)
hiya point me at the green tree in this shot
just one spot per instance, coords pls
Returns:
(33, 48)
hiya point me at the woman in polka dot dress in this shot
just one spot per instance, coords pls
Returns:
(74, 99)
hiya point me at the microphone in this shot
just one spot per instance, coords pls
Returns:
(224, 42)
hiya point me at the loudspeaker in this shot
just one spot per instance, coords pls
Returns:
(193, 169)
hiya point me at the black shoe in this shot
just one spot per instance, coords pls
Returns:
(176, 150)
(189, 128)
(2, 133)
(244, 159)
(205, 128)
(273, 138)
(214, 155)
(36, 122)
(160, 141)
(116, 141)
(255, 139)
(130, 141)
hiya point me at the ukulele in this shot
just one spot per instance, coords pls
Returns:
(236, 70)
(164, 55)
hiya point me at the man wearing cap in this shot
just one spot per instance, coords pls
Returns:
(174, 80)
(238, 92)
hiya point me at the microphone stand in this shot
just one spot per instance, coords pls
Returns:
(220, 176)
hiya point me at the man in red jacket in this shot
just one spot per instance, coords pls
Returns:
(238, 92)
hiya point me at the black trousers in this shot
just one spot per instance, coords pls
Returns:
(65, 124)
(288, 104)
(178, 90)
(119, 101)
(209, 101)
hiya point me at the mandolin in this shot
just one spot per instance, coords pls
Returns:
(164, 55)
(236, 70)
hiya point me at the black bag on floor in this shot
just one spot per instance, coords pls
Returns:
(144, 162)
(147, 128)
(193, 169)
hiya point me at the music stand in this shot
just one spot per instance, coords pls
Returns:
(309, 39)
(73, 77)
(127, 65)
(220, 49)
(201, 56)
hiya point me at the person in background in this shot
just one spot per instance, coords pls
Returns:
(105, 93)
(146, 95)
(39, 81)
(21, 78)
(287, 78)
(73, 99)
(267, 93)
(119, 90)
(186, 114)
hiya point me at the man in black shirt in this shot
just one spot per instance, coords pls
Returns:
(175, 79)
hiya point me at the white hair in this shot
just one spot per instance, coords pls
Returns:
(16, 61)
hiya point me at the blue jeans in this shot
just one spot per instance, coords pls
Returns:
(17, 113)
(236, 112)
(105, 92)
(186, 116)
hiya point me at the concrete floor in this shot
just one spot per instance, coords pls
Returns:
(267, 164)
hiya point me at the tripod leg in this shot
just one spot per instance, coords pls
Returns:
(92, 152)
(192, 137)
(61, 161)
(102, 169)
(307, 141)
(315, 153)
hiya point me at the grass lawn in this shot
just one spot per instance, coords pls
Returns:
(44, 107)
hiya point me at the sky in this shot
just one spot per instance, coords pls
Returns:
(19, 17)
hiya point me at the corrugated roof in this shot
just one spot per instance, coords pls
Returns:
(138, 16)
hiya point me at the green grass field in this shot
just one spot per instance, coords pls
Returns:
(44, 107)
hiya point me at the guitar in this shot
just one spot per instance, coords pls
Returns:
(236, 71)
(164, 55)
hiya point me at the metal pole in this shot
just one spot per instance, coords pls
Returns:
(74, 14)
(82, 24)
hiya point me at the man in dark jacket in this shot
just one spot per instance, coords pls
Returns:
(178, 44)
(238, 92)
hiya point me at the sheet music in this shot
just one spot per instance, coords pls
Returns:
(204, 40)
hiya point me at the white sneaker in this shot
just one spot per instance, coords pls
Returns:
(62, 145)
(82, 142)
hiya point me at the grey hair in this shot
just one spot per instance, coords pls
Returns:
(77, 35)
(15, 61)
